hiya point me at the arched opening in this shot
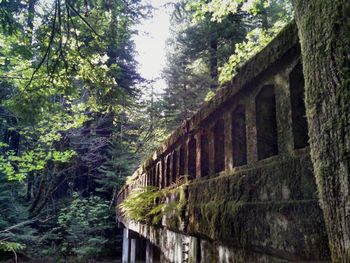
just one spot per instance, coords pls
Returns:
(174, 168)
(192, 156)
(299, 122)
(266, 124)
(239, 140)
(219, 145)
(204, 154)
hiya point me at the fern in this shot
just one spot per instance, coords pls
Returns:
(150, 204)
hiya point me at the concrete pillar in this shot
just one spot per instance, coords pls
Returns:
(125, 255)
(149, 252)
(133, 250)
(252, 148)
(198, 155)
(170, 172)
(228, 141)
(284, 114)
(166, 170)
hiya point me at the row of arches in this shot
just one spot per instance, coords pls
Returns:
(205, 152)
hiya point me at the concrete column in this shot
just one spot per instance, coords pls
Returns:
(252, 148)
(228, 141)
(284, 114)
(149, 252)
(125, 256)
(166, 170)
(133, 250)
(155, 175)
(198, 155)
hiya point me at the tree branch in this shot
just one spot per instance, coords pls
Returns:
(52, 36)
(83, 19)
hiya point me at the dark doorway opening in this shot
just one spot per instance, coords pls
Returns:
(266, 124)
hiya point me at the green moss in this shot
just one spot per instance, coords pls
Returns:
(176, 208)
(235, 209)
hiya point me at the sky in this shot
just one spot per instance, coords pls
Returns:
(151, 44)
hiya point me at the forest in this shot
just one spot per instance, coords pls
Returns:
(77, 117)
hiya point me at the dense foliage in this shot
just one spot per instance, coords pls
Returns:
(68, 134)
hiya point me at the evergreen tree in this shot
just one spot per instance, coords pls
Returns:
(65, 84)
(204, 51)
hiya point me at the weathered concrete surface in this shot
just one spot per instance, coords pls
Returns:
(268, 213)
(261, 208)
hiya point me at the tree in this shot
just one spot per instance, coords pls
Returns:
(204, 52)
(197, 50)
(67, 79)
(324, 33)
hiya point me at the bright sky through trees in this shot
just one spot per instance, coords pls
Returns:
(151, 43)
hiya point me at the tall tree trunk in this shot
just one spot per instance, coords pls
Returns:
(324, 32)
(30, 18)
(213, 61)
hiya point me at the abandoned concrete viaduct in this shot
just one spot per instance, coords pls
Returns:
(249, 193)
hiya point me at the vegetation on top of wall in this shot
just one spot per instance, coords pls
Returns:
(141, 204)
(150, 204)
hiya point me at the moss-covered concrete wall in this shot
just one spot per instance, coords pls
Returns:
(272, 208)
(264, 209)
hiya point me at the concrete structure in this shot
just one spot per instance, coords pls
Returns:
(249, 193)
